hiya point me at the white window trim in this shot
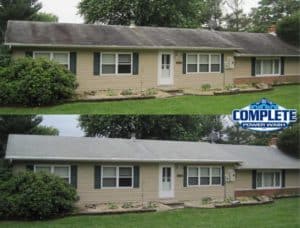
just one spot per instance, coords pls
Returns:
(52, 54)
(198, 63)
(210, 176)
(117, 176)
(116, 64)
(273, 67)
(262, 178)
(52, 169)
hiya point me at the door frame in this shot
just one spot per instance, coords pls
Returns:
(159, 63)
(171, 194)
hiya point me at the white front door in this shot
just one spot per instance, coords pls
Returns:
(166, 181)
(165, 68)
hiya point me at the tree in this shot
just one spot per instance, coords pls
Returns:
(46, 17)
(288, 29)
(25, 124)
(270, 11)
(166, 13)
(236, 21)
(289, 140)
(213, 13)
(188, 128)
(21, 10)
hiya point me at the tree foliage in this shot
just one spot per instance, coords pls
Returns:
(190, 128)
(289, 141)
(166, 13)
(46, 17)
(270, 11)
(24, 124)
(288, 29)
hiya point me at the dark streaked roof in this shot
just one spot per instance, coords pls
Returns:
(57, 148)
(25, 33)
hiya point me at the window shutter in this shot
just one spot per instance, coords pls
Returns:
(97, 176)
(184, 63)
(135, 61)
(222, 63)
(74, 176)
(184, 176)
(97, 60)
(223, 175)
(73, 62)
(29, 167)
(29, 54)
(282, 65)
(253, 61)
(283, 178)
(254, 179)
(136, 176)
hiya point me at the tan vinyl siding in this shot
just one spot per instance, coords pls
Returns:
(292, 66)
(242, 67)
(243, 180)
(292, 178)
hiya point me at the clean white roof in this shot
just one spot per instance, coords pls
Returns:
(32, 147)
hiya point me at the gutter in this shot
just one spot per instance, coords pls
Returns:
(119, 47)
(83, 159)
(264, 55)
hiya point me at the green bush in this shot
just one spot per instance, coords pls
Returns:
(31, 195)
(127, 92)
(35, 82)
(206, 87)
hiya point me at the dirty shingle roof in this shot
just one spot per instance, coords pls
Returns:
(25, 33)
(57, 148)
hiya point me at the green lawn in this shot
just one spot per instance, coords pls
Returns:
(283, 213)
(287, 96)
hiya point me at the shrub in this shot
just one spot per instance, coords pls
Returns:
(112, 206)
(288, 140)
(111, 93)
(31, 195)
(127, 205)
(35, 82)
(206, 87)
(151, 92)
(127, 92)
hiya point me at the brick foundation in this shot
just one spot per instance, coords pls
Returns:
(267, 192)
(273, 80)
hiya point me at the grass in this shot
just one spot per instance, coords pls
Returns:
(283, 213)
(286, 96)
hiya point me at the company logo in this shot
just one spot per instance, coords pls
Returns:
(264, 116)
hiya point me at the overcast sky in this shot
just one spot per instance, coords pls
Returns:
(67, 10)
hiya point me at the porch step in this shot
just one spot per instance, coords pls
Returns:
(173, 203)
(170, 89)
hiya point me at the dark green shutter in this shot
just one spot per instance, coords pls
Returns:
(253, 61)
(283, 178)
(97, 176)
(135, 67)
(282, 65)
(184, 63)
(254, 179)
(97, 60)
(222, 63)
(29, 167)
(223, 175)
(184, 176)
(74, 176)
(29, 54)
(136, 176)
(73, 62)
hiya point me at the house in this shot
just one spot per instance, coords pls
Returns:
(121, 57)
(118, 170)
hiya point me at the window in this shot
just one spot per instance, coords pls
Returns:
(116, 63)
(63, 171)
(61, 58)
(267, 67)
(268, 179)
(198, 176)
(203, 63)
(117, 177)
(192, 63)
(193, 176)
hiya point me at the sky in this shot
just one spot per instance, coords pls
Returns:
(66, 10)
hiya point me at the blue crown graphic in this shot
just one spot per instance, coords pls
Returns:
(264, 104)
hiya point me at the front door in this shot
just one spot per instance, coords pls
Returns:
(165, 73)
(166, 181)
